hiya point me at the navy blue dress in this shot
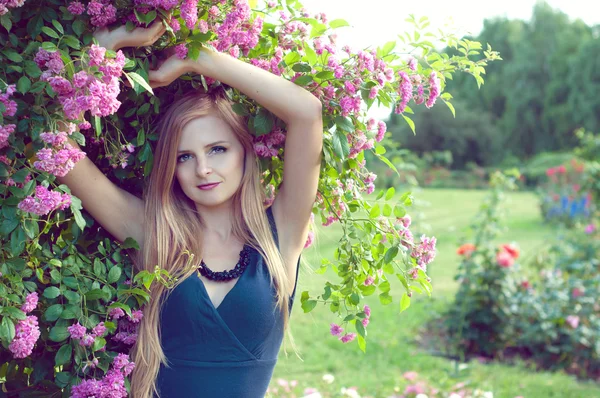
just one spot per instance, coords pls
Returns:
(223, 352)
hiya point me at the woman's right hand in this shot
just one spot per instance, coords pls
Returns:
(119, 38)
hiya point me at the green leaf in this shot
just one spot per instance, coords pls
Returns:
(338, 23)
(8, 226)
(360, 328)
(99, 342)
(410, 123)
(385, 298)
(6, 22)
(114, 274)
(24, 84)
(62, 379)
(387, 210)
(49, 46)
(309, 305)
(302, 67)
(14, 313)
(53, 312)
(375, 211)
(78, 27)
(345, 123)
(140, 80)
(451, 108)
(95, 294)
(58, 334)
(50, 32)
(7, 329)
(58, 26)
(390, 193)
(304, 80)
(72, 296)
(72, 42)
(51, 292)
(340, 145)
(263, 122)
(390, 254)
(399, 211)
(362, 343)
(63, 355)
(239, 109)
(404, 302)
(13, 56)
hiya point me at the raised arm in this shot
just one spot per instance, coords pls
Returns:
(299, 109)
(118, 211)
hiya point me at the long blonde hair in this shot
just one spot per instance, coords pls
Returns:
(173, 226)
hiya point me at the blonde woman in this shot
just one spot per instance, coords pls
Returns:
(218, 332)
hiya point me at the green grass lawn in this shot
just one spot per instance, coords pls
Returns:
(393, 341)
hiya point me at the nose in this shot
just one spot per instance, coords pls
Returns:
(203, 167)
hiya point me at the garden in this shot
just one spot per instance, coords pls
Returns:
(453, 249)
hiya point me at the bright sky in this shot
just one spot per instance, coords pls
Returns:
(374, 22)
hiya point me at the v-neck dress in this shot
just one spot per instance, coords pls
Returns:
(224, 352)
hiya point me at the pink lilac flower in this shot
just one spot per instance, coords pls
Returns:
(309, 239)
(99, 330)
(189, 13)
(367, 310)
(76, 8)
(589, 229)
(58, 161)
(412, 63)
(425, 252)
(31, 302)
(373, 92)
(175, 25)
(45, 201)
(365, 322)
(573, 321)
(87, 340)
(112, 385)
(369, 281)
(577, 292)
(76, 331)
(136, 316)
(5, 132)
(410, 376)
(336, 330)
(203, 26)
(405, 89)
(381, 129)
(434, 89)
(268, 145)
(27, 334)
(102, 13)
(348, 337)
(10, 105)
(181, 51)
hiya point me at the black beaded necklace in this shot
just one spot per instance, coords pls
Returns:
(225, 276)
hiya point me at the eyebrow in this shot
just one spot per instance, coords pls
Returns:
(208, 145)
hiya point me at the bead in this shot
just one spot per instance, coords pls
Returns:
(224, 276)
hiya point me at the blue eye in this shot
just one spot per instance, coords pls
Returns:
(219, 149)
(179, 158)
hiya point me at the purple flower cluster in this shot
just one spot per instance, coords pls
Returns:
(45, 201)
(337, 330)
(181, 51)
(189, 13)
(6, 4)
(237, 31)
(5, 132)
(10, 105)
(31, 302)
(86, 92)
(76, 8)
(79, 332)
(27, 334)
(405, 90)
(164, 4)
(268, 145)
(424, 252)
(112, 385)
(434, 89)
(102, 12)
(127, 331)
(61, 157)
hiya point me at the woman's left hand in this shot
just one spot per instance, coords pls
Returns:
(171, 69)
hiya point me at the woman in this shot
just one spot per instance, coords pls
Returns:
(217, 333)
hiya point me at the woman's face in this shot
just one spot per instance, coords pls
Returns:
(209, 152)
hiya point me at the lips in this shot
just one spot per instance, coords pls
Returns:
(208, 186)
